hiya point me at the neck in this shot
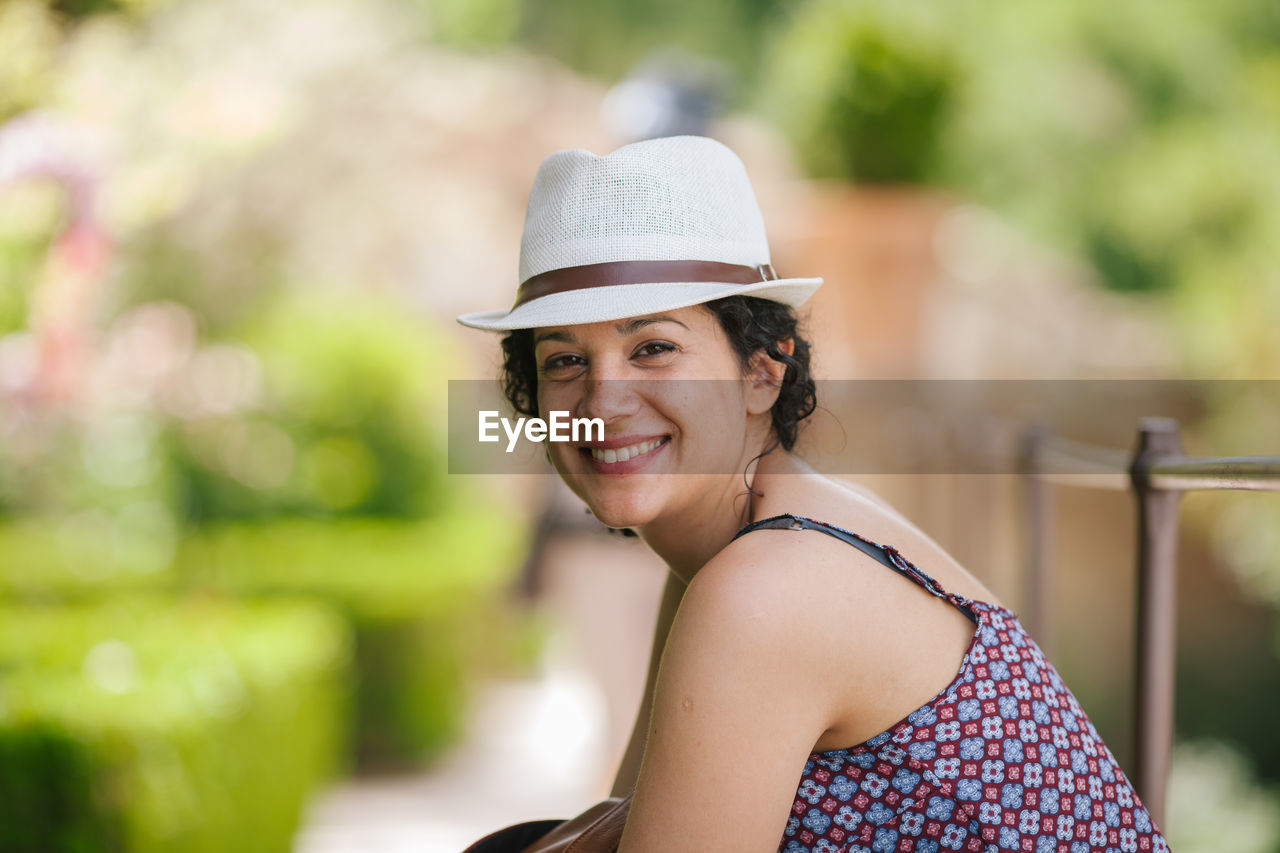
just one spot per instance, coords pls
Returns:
(687, 540)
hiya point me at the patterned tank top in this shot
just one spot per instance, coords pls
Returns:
(1002, 758)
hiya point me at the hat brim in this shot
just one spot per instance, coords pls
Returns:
(617, 302)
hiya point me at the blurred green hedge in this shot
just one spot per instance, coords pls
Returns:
(147, 724)
(82, 558)
(426, 600)
(348, 422)
(299, 454)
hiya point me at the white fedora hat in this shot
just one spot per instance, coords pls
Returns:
(654, 226)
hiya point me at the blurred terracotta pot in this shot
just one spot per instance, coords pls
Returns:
(875, 248)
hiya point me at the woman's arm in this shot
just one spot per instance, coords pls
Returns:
(624, 783)
(743, 693)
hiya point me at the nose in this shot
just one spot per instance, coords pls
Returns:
(608, 395)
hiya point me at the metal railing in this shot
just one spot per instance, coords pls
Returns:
(1158, 473)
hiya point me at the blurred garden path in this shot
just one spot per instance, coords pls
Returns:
(539, 747)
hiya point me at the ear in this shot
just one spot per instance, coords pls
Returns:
(764, 378)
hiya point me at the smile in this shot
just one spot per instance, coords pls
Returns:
(624, 459)
(622, 454)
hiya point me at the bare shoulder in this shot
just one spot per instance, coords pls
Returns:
(766, 603)
(852, 607)
(788, 579)
(757, 577)
(862, 511)
(772, 565)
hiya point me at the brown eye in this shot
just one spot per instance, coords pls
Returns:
(562, 363)
(654, 348)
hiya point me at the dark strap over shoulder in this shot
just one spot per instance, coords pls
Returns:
(884, 554)
(798, 522)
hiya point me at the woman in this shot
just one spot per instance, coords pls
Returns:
(810, 688)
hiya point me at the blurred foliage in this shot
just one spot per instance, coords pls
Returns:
(1224, 703)
(30, 216)
(323, 406)
(1144, 138)
(1148, 133)
(29, 38)
(1143, 130)
(1215, 803)
(76, 9)
(254, 431)
(87, 556)
(146, 724)
(256, 423)
(865, 90)
(347, 423)
(471, 22)
(426, 602)
(376, 569)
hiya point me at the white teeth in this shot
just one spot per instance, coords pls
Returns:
(622, 454)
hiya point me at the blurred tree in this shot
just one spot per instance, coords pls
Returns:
(1142, 137)
(1143, 130)
(864, 89)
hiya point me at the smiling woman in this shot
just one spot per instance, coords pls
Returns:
(800, 697)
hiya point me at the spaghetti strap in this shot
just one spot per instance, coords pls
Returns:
(885, 554)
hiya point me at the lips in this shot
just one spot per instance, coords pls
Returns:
(624, 454)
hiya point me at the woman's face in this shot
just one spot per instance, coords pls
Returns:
(674, 400)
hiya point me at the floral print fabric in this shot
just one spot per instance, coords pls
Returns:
(1003, 758)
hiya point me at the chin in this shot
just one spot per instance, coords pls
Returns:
(631, 508)
(611, 515)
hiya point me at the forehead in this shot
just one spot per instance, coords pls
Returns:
(692, 320)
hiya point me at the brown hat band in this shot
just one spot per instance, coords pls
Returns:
(638, 272)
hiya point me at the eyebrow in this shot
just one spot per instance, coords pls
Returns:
(563, 337)
(632, 326)
(628, 327)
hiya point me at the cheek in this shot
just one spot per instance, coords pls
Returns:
(714, 417)
(553, 397)
(565, 472)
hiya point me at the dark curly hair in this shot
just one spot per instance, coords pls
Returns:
(750, 323)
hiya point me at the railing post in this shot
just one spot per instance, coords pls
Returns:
(1037, 493)
(1157, 591)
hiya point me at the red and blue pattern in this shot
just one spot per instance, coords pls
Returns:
(1003, 758)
